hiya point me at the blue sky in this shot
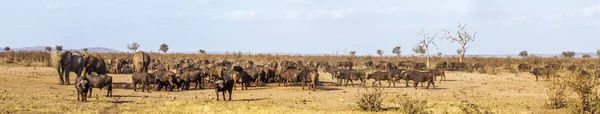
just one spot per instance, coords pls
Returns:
(302, 26)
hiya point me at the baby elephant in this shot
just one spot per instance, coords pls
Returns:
(82, 84)
(101, 81)
(143, 78)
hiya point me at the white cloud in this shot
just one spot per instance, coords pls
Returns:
(237, 15)
(330, 14)
(592, 10)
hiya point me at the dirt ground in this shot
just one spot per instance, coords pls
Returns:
(36, 90)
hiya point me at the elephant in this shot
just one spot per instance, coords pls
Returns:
(141, 60)
(94, 63)
(69, 62)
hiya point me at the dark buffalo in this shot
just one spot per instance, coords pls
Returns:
(537, 72)
(438, 72)
(378, 76)
(349, 76)
(524, 67)
(142, 78)
(242, 77)
(442, 65)
(309, 75)
(223, 84)
(417, 77)
(82, 84)
(166, 79)
(101, 81)
(289, 76)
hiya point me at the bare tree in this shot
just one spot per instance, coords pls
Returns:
(380, 52)
(462, 37)
(426, 42)
(133, 47)
(397, 51)
(164, 48)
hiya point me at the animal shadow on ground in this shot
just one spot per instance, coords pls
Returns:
(327, 88)
(120, 102)
(255, 99)
(127, 96)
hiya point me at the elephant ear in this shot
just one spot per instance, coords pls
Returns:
(66, 58)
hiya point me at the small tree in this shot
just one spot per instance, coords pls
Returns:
(164, 48)
(352, 53)
(568, 54)
(133, 46)
(462, 37)
(419, 50)
(380, 52)
(202, 51)
(523, 54)
(586, 56)
(459, 51)
(58, 47)
(85, 49)
(397, 51)
(6, 48)
(48, 48)
(439, 54)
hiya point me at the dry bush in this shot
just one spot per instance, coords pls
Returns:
(371, 99)
(586, 88)
(411, 106)
(470, 108)
(556, 94)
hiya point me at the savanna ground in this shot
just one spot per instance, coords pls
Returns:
(28, 89)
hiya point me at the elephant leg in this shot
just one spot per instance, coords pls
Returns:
(67, 78)
(60, 75)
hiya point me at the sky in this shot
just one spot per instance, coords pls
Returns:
(302, 26)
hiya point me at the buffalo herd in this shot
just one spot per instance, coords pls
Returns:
(225, 76)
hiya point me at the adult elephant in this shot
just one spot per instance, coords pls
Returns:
(141, 60)
(94, 63)
(69, 62)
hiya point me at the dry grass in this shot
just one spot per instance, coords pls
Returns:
(34, 88)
